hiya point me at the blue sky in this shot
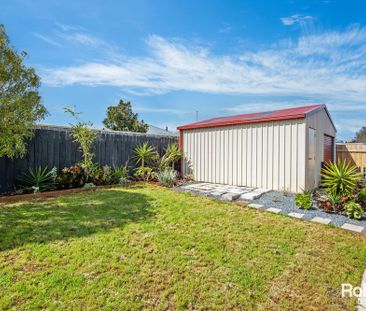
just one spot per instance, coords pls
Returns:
(172, 58)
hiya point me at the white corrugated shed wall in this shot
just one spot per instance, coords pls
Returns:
(319, 121)
(268, 155)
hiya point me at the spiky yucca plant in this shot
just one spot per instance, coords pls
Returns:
(173, 153)
(171, 156)
(144, 153)
(341, 178)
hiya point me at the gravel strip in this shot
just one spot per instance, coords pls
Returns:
(286, 202)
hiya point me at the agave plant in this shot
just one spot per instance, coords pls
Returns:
(341, 178)
(39, 179)
(144, 153)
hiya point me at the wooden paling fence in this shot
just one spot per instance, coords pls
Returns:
(355, 153)
(54, 147)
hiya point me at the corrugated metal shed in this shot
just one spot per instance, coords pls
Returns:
(281, 150)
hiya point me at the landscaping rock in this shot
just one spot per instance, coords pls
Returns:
(352, 227)
(253, 205)
(250, 196)
(217, 193)
(296, 215)
(274, 210)
(321, 220)
(230, 196)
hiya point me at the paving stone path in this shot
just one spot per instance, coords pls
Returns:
(247, 194)
(224, 192)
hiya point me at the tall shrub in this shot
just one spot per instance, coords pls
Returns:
(84, 136)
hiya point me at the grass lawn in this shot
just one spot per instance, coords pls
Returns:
(146, 247)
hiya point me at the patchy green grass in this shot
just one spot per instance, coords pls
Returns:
(145, 247)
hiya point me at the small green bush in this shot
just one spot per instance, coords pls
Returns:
(144, 173)
(353, 210)
(123, 181)
(167, 177)
(72, 177)
(99, 175)
(120, 174)
(304, 201)
(89, 185)
(362, 198)
(362, 194)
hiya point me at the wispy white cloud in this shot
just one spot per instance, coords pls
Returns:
(63, 34)
(296, 19)
(330, 65)
(268, 105)
(159, 110)
(47, 39)
(67, 27)
(226, 28)
(82, 38)
(350, 125)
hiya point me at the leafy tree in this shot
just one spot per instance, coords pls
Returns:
(20, 103)
(361, 135)
(122, 118)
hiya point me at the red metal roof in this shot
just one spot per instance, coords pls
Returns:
(283, 114)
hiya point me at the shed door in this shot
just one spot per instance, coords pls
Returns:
(328, 148)
(311, 157)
